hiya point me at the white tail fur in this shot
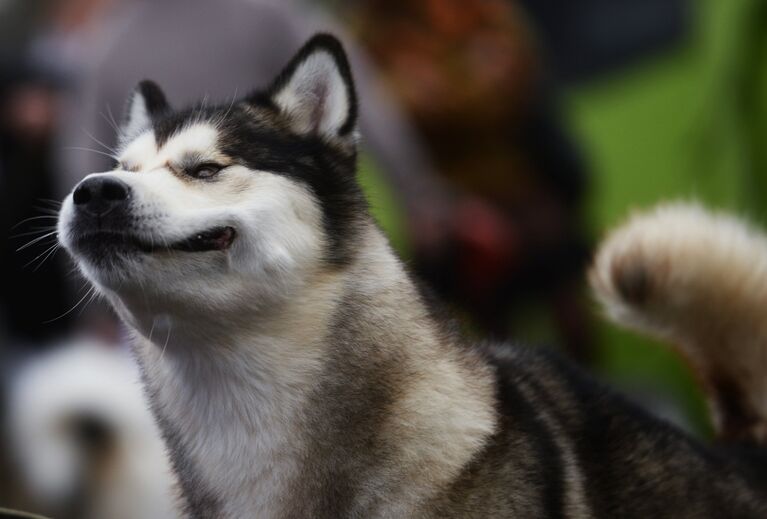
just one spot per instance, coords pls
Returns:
(126, 475)
(698, 280)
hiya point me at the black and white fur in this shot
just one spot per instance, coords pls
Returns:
(294, 368)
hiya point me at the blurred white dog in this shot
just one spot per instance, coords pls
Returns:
(83, 439)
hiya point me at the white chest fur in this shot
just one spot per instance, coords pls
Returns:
(235, 431)
(236, 411)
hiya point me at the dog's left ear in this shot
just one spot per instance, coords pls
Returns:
(145, 103)
(316, 90)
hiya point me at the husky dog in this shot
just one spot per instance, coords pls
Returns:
(296, 371)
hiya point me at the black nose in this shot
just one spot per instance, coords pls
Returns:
(100, 195)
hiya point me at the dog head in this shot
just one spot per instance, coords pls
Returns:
(211, 206)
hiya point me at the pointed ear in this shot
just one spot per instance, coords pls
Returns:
(146, 102)
(316, 90)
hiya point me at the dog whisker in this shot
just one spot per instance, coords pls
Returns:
(229, 109)
(113, 119)
(167, 339)
(151, 330)
(33, 232)
(99, 152)
(110, 122)
(101, 143)
(47, 252)
(46, 210)
(94, 295)
(55, 203)
(88, 293)
(39, 238)
(40, 217)
(52, 253)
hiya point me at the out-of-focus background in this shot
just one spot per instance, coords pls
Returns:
(501, 138)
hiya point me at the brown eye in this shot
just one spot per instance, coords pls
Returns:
(206, 170)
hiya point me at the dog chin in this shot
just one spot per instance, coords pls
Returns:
(112, 269)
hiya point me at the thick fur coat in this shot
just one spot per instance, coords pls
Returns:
(293, 366)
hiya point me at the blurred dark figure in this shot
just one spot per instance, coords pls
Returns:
(470, 74)
(33, 281)
(41, 61)
(589, 37)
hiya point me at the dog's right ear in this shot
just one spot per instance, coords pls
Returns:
(146, 102)
(316, 91)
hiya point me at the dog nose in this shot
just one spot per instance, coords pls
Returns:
(100, 195)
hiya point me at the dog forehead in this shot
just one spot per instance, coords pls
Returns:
(198, 138)
(140, 150)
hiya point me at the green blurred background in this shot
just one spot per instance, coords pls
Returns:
(689, 122)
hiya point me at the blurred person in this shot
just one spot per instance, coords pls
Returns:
(49, 55)
(471, 76)
(31, 294)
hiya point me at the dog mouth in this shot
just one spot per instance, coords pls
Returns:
(218, 238)
(214, 239)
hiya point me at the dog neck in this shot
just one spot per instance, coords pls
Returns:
(323, 387)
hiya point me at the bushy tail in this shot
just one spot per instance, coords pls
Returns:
(81, 438)
(698, 280)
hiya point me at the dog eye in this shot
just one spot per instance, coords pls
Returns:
(206, 170)
(127, 167)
